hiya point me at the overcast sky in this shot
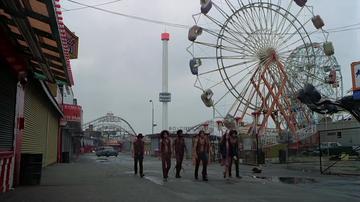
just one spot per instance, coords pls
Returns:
(119, 64)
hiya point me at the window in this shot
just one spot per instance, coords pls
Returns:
(331, 134)
(339, 135)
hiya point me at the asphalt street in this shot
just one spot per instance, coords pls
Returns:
(94, 178)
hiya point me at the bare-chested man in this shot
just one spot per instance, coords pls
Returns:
(202, 154)
(179, 149)
(165, 148)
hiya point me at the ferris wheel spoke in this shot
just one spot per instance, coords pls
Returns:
(227, 92)
(234, 43)
(240, 103)
(237, 64)
(280, 26)
(273, 18)
(240, 29)
(227, 67)
(263, 34)
(291, 23)
(244, 92)
(287, 14)
(244, 42)
(230, 49)
(256, 14)
(215, 21)
(291, 44)
(267, 25)
(244, 19)
(231, 6)
(242, 96)
(230, 40)
(232, 57)
(266, 17)
(284, 42)
(233, 75)
(221, 11)
(252, 20)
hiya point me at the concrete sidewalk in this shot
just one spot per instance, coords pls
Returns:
(112, 179)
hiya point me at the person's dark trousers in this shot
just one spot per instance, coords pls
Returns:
(179, 160)
(166, 164)
(203, 158)
(236, 162)
(138, 159)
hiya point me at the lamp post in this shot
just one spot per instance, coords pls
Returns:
(152, 117)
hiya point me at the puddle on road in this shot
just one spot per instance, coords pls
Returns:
(288, 180)
(102, 160)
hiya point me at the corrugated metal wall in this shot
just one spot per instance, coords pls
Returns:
(41, 125)
(35, 114)
(8, 85)
(52, 135)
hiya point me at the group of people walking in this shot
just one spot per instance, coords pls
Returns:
(228, 149)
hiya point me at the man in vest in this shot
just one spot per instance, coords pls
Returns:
(139, 154)
(179, 148)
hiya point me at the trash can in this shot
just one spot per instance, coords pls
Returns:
(65, 156)
(282, 156)
(30, 169)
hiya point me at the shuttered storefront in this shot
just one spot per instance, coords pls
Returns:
(66, 141)
(41, 124)
(8, 84)
(52, 135)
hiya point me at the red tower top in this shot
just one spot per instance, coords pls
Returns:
(165, 36)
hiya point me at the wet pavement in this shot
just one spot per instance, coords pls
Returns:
(112, 179)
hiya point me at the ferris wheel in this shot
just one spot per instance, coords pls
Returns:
(250, 57)
(328, 78)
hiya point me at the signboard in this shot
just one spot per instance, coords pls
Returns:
(72, 112)
(165, 97)
(356, 95)
(73, 43)
(355, 72)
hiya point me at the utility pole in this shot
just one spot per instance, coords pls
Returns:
(152, 116)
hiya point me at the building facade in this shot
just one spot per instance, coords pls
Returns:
(346, 132)
(34, 62)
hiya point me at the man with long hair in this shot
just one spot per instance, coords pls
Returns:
(226, 154)
(202, 148)
(165, 149)
(234, 140)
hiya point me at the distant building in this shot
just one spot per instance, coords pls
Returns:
(346, 132)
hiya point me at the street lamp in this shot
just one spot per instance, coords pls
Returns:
(152, 117)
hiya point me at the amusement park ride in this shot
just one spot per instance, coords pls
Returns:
(252, 57)
(111, 126)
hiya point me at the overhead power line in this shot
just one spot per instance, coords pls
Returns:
(85, 7)
(343, 27)
(346, 28)
(132, 16)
